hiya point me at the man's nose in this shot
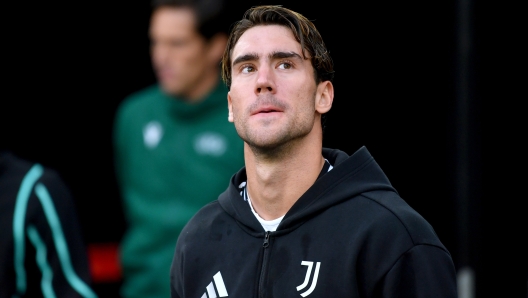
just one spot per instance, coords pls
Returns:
(265, 80)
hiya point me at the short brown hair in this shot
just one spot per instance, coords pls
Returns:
(302, 28)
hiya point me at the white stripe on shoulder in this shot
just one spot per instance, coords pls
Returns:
(330, 165)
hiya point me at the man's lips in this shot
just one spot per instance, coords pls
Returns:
(266, 109)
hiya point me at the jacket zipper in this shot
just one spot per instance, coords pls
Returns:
(264, 264)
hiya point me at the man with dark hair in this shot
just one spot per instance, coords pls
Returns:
(174, 151)
(300, 219)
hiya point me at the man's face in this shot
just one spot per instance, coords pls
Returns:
(273, 90)
(177, 50)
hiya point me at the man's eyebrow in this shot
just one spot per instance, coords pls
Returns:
(246, 57)
(273, 55)
(281, 55)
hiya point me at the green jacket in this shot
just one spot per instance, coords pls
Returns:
(171, 158)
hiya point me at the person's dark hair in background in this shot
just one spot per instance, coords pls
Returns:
(174, 148)
(42, 250)
(211, 17)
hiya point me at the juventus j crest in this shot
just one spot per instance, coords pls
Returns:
(314, 277)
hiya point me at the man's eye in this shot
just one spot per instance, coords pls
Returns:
(285, 65)
(247, 69)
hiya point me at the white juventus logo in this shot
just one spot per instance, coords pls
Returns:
(307, 278)
(220, 287)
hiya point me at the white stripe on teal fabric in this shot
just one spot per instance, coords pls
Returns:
(60, 243)
(42, 261)
(18, 225)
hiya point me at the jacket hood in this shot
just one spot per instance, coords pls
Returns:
(351, 176)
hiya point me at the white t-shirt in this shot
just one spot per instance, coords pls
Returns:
(268, 225)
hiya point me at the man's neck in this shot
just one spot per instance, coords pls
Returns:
(276, 184)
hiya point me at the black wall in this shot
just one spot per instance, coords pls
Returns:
(67, 65)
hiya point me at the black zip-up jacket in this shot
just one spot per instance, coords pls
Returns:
(349, 235)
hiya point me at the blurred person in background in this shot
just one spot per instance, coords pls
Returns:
(42, 251)
(174, 148)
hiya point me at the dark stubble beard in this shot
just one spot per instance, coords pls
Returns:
(281, 143)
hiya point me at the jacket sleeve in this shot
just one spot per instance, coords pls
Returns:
(423, 271)
(54, 237)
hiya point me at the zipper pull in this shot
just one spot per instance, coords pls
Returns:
(266, 240)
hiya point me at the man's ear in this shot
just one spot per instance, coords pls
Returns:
(229, 107)
(324, 97)
(217, 45)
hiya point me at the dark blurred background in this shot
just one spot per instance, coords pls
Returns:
(433, 89)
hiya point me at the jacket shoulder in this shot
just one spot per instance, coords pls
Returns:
(202, 223)
(417, 227)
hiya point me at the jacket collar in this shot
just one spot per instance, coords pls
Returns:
(351, 176)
